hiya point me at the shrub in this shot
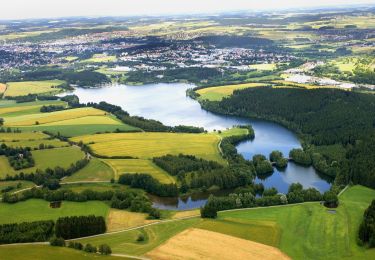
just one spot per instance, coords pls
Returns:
(105, 249)
(57, 241)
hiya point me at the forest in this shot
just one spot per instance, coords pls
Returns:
(320, 117)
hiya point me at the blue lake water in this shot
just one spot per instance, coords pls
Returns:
(169, 104)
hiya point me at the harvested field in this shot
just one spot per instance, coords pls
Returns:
(196, 243)
(121, 219)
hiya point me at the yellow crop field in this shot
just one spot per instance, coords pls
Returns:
(98, 58)
(196, 243)
(32, 87)
(3, 87)
(121, 219)
(44, 118)
(24, 136)
(219, 92)
(148, 145)
(121, 166)
(265, 66)
(10, 106)
(88, 120)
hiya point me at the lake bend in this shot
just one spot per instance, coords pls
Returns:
(169, 104)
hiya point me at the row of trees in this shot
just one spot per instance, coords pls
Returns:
(181, 164)
(149, 184)
(42, 177)
(79, 226)
(366, 233)
(36, 231)
(148, 125)
(103, 249)
(51, 108)
(245, 198)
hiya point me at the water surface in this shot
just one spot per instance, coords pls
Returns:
(169, 104)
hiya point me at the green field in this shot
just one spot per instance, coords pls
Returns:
(96, 170)
(34, 209)
(325, 235)
(148, 145)
(46, 252)
(58, 116)
(30, 139)
(9, 108)
(99, 58)
(24, 185)
(219, 92)
(155, 235)
(121, 166)
(101, 186)
(32, 87)
(47, 158)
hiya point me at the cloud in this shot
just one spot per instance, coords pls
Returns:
(19, 9)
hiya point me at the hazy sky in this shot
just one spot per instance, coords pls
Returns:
(19, 9)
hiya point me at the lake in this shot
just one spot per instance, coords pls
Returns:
(169, 104)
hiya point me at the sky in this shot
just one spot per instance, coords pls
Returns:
(23, 9)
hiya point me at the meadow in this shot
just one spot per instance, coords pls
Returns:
(219, 92)
(35, 209)
(47, 252)
(121, 166)
(333, 230)
(47, 158)
(9, 108)
(32, 87)
(96, 170)
(148, 145)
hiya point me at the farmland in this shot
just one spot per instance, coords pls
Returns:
(33, 210)
(46, 252)
(96, 170)
(197, 243)
(139, 166)
(149, 145)
(32, 87)
(219, 92)
(9, 108)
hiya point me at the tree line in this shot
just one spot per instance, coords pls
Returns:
(18, 157)
(366, 232)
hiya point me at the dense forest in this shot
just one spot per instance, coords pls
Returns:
(367, 227)
(320, 117)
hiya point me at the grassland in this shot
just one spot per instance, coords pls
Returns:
(219, 92)
(47, 158)
(96, 170)
(148, 145)
(46, 252)
(30, 139)
(32, 87)
(34, 209)
(196, 243)
(122, 219)
(121, 166)
(99, 186)
(9, 108)
(58, 116)
(23, 185)
(155, 235)
(326, 235)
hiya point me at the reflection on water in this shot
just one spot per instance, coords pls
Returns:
(169, 104)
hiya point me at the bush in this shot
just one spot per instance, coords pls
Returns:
(366, 233)
(105, 249)
(90, 248)
(57, 241)
(140, 238)
(330, 199)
